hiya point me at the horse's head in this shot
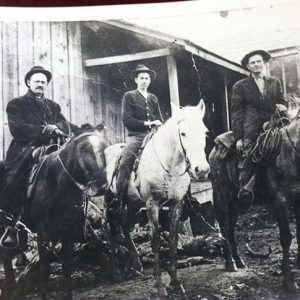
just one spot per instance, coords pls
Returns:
(192, 136)
(87, 159)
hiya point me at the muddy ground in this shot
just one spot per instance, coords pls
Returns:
(261, 280)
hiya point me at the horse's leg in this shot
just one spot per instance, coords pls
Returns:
(112, 236)
(175, 213)
(153, 214)
(231, 235)
(135, 260)
(281, 207)
(10, 281)
(221, 208)
(297, 208)
(44, 265)
(66, 255)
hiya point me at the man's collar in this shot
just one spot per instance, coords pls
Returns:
(33, 96)
(261, 76)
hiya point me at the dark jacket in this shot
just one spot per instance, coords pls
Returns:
(250, 110)
(136, 110)
(26, 118)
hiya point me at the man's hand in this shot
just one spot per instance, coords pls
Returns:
(155, 123)
(60, 133)
(239, 145)
(281, 107)
(49, 129)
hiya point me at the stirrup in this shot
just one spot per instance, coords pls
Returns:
(245, 198)
(7, 234)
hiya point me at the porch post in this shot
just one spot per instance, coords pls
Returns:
(226, 103)
(173, 79)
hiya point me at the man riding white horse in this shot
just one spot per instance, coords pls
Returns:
(33, 121)
(140, 112)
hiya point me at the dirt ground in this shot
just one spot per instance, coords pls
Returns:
(261, 280)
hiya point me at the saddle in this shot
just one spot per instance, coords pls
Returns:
(267, 144)
(138, 155)
(225, 143)
(39, 156)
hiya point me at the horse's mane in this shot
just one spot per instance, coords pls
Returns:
(87, 128)
(185, 113)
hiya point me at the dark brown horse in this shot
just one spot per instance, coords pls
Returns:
(59, 198)
(283, 180)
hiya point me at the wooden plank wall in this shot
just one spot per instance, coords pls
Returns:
(55, 46)
(9, 72)
(1, 95)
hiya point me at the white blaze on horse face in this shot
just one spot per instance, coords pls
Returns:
(97, 142)
(193, 137)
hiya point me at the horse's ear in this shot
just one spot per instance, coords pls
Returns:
(201, 106)
(175, 109)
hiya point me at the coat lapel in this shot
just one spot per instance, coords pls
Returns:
(255, 88)
(34, 109)
(268, 85)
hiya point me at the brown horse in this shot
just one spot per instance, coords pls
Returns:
(58, 202)
(282, 177)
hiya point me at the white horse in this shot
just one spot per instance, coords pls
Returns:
(169, 159)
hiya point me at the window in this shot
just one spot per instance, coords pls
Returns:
(286, 69)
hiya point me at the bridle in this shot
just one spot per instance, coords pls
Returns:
(84, 188)
(187, 161)
(81, 186)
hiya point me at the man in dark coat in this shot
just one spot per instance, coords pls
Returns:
(33, 121)
(254, 100)
(140, 112)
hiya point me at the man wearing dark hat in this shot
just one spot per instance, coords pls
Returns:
(254, 100)
(33, 121)
(140, 112)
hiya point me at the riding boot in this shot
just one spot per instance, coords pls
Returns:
(246, 175)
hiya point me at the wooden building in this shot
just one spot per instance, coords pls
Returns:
(91, 64)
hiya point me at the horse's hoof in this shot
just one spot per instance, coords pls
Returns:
(179, 289)
(116, 278)
(133, 273)
(162, 291)
(291, 287)
(67, 296)
(230, 267)
(240, 263)
(138, 268)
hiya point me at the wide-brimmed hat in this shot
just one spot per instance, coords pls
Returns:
(38, 69)
(265, 55)
(140, 68)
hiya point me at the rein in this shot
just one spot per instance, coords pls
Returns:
(187, 161)
(84, 188)
(81, 186)
(268, 143)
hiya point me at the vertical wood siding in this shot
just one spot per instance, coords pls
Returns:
(57, 47)
(41, 45)
(1, 96)
(60, 67)
(10, 72)
(75, 73)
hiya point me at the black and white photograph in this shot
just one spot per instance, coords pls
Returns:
(150, 151)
